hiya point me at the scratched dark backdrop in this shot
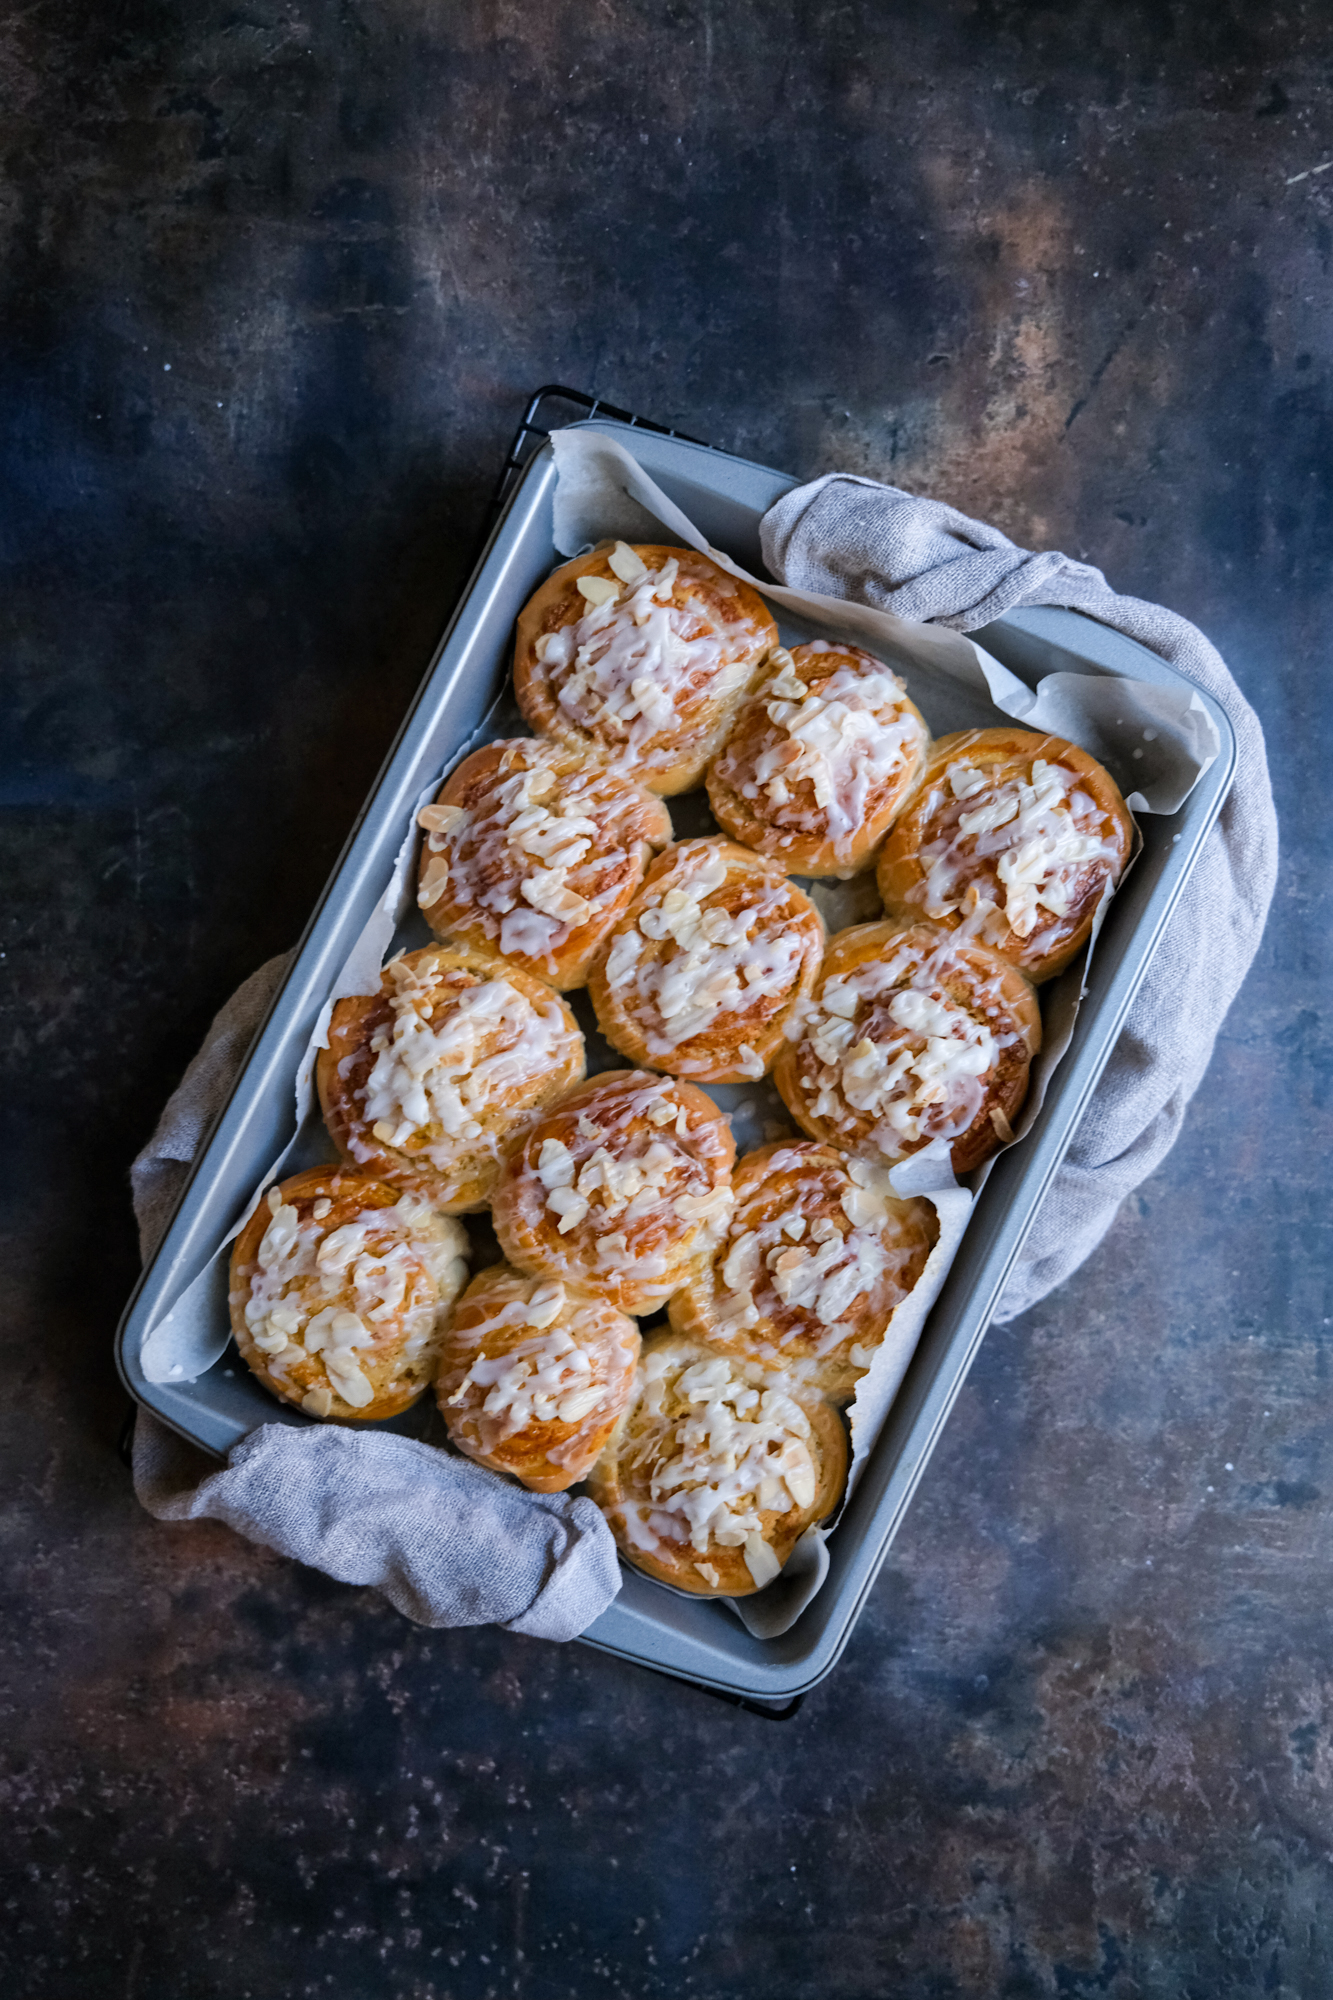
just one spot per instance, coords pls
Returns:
(276, 282)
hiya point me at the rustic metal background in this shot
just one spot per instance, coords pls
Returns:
(276, 284)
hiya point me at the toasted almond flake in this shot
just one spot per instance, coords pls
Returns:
(597, 589)
(439, 819)
(626, 565)
(1002, 1126)
(760, 1560)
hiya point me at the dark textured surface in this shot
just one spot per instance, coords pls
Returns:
(275, 285)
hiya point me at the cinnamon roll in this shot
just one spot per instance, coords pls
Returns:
(340, 1290)
(531, 853)
(620, 1190)
(911, 1035)
(533, 1377)
(1013, 837)
(818, 1256)
(641, 656)
(820, 761)
(702, 971)
(423, 1083)
(716, 1469)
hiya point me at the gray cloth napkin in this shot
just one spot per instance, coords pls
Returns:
(850, 537)
(446, 1541)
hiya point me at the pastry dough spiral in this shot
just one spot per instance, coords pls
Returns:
(911, 1035)
(820, 761)
(1014, 838)
(640, 656)
(620, 1190)
(423, 1083)
(702, 971)
(340, 1290)
(716, 1469)
(533, 1377)
(818, 1256)
(531, 853)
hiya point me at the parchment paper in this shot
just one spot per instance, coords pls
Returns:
(1157, 744)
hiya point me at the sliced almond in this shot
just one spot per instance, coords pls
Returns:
(627, 566)
(438, 819)
(598, 589)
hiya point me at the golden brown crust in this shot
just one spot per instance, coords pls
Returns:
(533, 1377)
(820, 760)
(424, 1083)
(1029, 886)
(620, 1190)
(530, 854)
(701, 974)
(340, 1289)
(716, 1469)
(649, 678)
(818, 1256)
(911, 1035)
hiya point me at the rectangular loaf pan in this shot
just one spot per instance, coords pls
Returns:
(726, 497)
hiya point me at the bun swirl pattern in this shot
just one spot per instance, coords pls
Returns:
(423, 1083)
(340, 1289)
(818, 1256)
(619, 1190)
(911, 1035)
(531, 853)
(533, 1377)
(716, 1470)
(640, 656)
(820, 761)
(703, 970)
(1013, 838)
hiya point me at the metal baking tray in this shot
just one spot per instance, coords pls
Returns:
(693, 1638)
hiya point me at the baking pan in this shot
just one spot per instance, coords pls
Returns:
(697, 1639)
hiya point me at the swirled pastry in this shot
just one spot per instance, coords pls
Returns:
(820, 761)
(716, 1469)
(705, 966)
(620, 1190)
(533, 1377)
(640, 656)
(531, 853)
(340, 1290)
(1014, 838)
(818, 1256)
(911, 1035)
(423, 1083)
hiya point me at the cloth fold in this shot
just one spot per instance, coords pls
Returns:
(450, 1544)
(850, 537)
(447, 1542)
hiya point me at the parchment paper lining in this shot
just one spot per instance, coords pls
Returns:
(1156, 743)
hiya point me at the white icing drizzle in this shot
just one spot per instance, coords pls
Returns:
(632, 668)
(923, 1071)
(546, 1378)
(829, 1272)
(1036, 836)
(848, 737)
(723, 962)
(712, 1455)
(545, 851)
(487, 1045)
(401, 1266)
(636, 1179)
